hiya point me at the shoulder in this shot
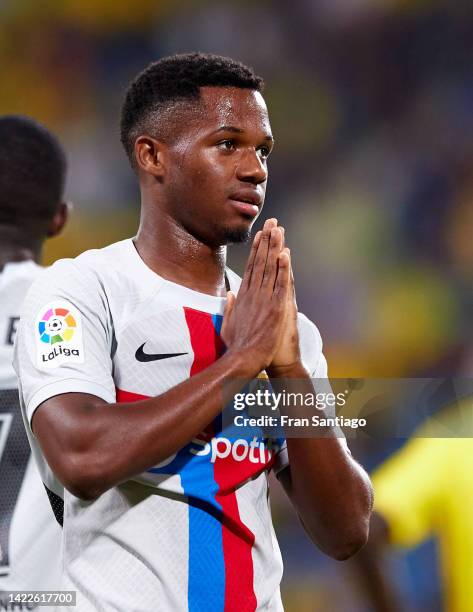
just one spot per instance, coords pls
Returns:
(22, 271)
(83, 275)
(111, 256)
(97, 263)
(310, 344)
(309, 335)
(309, 332)
(15, 280)
(17, 277)
(79, 283)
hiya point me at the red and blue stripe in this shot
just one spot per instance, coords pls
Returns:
(231, 561)
(220, 566)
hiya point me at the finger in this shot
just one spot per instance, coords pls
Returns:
(251, 260)
(270, 223)
(262, 253)
(283, 236)
(281, 285)
(229, 304)
(292, 288)
(227, 313)
(287, 251)
(271, 267)
(291, 293)
(291, 276)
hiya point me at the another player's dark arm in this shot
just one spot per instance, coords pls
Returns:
(93, 446)
(329, 489)
(370, 567)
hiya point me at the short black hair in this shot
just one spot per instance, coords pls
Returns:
(32, 174)
(173, 79)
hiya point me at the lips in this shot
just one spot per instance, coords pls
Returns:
(247, 201)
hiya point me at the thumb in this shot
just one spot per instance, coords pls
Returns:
(292, 288)
(229, 305)
(226, 316)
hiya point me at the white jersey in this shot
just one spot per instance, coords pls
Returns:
(194, 532)
(30, 538)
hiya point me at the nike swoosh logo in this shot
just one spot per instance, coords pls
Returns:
(140, 355)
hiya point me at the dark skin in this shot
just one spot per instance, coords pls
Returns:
(192, 188)
(180, 206)
(17, 245)
(370, 566)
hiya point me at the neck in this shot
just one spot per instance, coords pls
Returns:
(172, 252)
(14, 248)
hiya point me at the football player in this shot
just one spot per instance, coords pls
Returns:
(124, 354)
(32, 175)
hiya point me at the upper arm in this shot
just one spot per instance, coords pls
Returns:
(64, 339)
(64, 427)
(284, 477)
(62, 357)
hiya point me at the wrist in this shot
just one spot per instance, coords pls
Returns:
(244, 364)
(292, 370)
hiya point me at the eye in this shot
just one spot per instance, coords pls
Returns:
(264, 152)
(227, 145)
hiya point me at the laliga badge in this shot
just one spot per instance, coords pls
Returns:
(58, 332)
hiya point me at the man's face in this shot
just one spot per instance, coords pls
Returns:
(216, 170)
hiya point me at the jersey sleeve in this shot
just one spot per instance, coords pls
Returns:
(65, 337)
(310, 344)
(408, 489)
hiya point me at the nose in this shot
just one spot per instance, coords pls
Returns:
(251, 169)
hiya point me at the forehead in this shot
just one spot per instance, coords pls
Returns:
(241, 108)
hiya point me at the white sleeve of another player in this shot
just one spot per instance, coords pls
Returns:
(310, 343)
(64, 338)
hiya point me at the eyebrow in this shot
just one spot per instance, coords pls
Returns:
(235, 130)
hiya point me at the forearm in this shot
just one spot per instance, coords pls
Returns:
(106, 444)
(331, 493)
(329, 489)
(372, 572)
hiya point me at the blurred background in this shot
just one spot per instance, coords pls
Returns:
(371, 106)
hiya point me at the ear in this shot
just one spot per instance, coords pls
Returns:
(60, 219)
(149, 155)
